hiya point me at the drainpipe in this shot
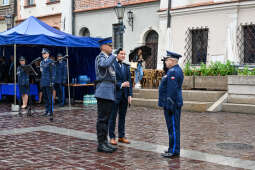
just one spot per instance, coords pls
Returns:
(168, 13)
(73, 18)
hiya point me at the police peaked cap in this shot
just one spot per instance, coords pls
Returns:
(22, 58)
(45, 50)
(59, 55)
(107, 41)
(172, 55)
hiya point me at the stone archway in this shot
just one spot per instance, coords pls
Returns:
(151, 40)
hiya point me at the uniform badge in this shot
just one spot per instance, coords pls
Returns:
(172, 78)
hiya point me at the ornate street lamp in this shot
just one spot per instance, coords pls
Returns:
(118, 29)
(119, 11)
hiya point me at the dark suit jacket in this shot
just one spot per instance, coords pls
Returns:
(122, 74)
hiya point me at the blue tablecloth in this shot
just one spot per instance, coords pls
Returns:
(8, 89)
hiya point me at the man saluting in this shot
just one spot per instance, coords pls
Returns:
(105, 92)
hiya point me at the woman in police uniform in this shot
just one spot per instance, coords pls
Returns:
(23, 82)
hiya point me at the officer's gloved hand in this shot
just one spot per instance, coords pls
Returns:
(116, 51)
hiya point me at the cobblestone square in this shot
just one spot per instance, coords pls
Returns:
(69, 142)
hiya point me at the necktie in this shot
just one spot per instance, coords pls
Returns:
(120, 63)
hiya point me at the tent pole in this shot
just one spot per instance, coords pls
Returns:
(68, 80)
(15, 72)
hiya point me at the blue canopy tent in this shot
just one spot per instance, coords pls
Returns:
(35, 32)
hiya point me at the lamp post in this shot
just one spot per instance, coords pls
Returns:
(8, 21)
(118, 29)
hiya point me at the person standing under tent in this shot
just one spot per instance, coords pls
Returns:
(23, 83)
(61, 77)
(47, 67)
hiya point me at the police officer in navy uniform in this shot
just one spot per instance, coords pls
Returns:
(61, 78)
(23, 82)
(123, 98)
(48, 73)
(170, 98)
(105, 92)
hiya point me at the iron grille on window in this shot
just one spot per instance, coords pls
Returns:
(196, 46)
(246, 43)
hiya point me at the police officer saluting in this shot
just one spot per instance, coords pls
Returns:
(60, 80)
(170, 98)
(47, 78)
(105, 92)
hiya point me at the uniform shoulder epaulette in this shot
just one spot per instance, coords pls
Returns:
(171, 70)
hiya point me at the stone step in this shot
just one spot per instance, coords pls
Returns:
(238, 108)
(200, 95)
(188, 95)
(241, 99)
(187, 106)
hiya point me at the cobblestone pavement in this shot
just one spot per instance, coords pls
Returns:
(70, 143)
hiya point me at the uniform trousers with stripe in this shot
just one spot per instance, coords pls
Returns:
(47, 94)
(173, 127)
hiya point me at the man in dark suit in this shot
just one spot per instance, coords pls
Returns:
(123, 98)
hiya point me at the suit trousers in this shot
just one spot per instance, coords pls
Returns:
(173, 127)
(47, 95)
(120, 109)
(104, 109)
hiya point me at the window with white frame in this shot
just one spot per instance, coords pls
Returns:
(5, 2)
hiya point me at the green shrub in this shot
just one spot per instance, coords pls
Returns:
(214, 69)
(246, 71)
(187, 70)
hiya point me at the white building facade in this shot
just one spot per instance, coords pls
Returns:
(206, 31)
(98, 22)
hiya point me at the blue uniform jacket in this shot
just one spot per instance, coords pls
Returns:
(23, 78)
(48, 71)
(170, 89)
(105, 77)
(122, 74)
(61, 74)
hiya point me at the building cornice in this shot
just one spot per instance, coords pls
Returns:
(112, 6)
(209, 8)
(40, 17)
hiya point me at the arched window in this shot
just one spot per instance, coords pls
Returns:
(151, 40)
(84, 32)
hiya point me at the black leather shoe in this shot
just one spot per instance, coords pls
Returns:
(170, 155)
(110, 146)
(103, 148)
(45, 114)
